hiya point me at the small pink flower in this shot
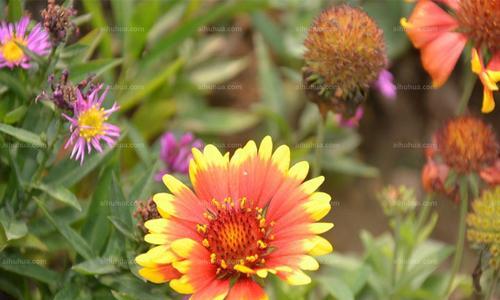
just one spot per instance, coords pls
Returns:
(385, 85)
(12, 35)
(351, 122)
(176, 154)
(88, 124)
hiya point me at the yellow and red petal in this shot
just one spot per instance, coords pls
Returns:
(216, 289)
(155, 256)
(246, 289)
(160, 273)
(164, 231)
(183, 204)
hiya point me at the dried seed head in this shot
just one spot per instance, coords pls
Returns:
(345, 54)
(145, 210)
(480, 20)
(57, 21)
(467, 144)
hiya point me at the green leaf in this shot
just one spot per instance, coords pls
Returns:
(122, 228)
(349, 166)
(142, 189)
(157, 81)
(96, 228)
(13, 228)
(336, 287)
(133, 287)
(59, 193)
(218, 72)
(15, 10)
(97, 266)
(22, 135)
(271, 85)
(70, 172)
(72, 237)
(99, 21)
(13, 84)
(220, 121)
(189, 28)
(15, 115)
(79, 72)
(29, 268)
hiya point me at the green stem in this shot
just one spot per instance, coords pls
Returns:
(457, 259)
(424, 212)
(396, 253)
(320, 139)
(469, 83)
(493, 286)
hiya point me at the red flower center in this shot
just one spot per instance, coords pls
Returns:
(237, 238)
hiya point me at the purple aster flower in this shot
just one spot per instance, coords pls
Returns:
(13, 35)
(176, 154)
(385, 84)
(88, 124)
(351, 122)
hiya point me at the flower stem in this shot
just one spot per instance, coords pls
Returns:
(396, 252)
(469, 83)
(493, 286)
(320, 138)
(457, 259)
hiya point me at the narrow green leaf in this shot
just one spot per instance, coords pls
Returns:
(96, 228)
(59, 193)
(79, 72)
(99, 21)
(72, 237)
(122, 228)
(13, 228)
(336, 287)
(188, 28)
(220, 121)
(29, 268)
(15, 115)
(22, 135)
(142, 189)
(15, 10)
(97, 266)
(139, 95)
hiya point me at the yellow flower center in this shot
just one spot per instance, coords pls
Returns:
(91, 123)
(237, 239)
(11, 50)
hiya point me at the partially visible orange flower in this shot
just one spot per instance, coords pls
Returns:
(441, 36)
(249, 216)
(467, 144)
(434, 31)
(434, 177)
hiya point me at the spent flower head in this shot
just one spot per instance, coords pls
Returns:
(250, 215)
(14, 39)
(57, 21)
(88, 124)
(345, 53)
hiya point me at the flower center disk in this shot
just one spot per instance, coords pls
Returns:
(480, 19)
(11, 50)
(237, 238)
(91, 123)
